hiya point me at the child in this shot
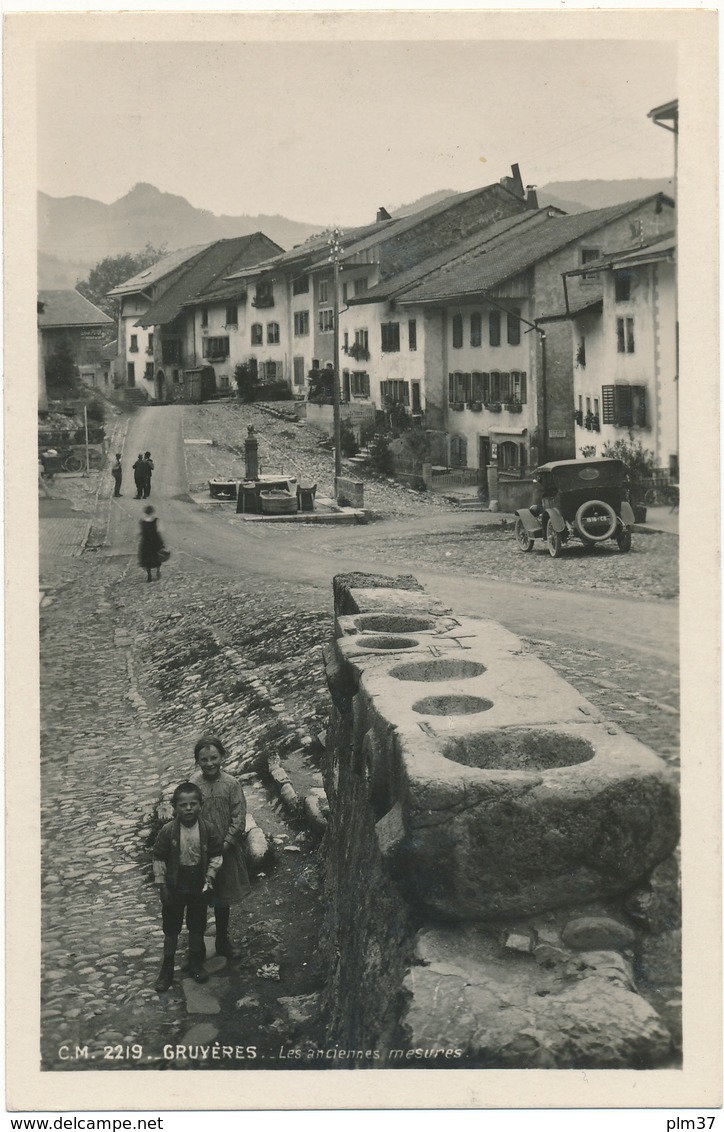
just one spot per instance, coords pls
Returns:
(186, 857)
(225, 806)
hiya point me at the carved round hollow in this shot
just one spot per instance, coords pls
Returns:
(519, 750)
(452, 705)
(394, 623)
(386, 644)
(430, 671)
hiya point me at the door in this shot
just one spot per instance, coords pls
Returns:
(483, 460)
(416, 405)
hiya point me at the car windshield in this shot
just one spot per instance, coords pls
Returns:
(593, 476)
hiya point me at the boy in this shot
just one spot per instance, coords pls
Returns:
(187, 855)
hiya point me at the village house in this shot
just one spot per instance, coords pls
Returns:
(66, 318)
(163, 328)
(498, 371)
(625, 360)
(300, 283)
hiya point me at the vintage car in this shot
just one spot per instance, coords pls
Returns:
(582, 499)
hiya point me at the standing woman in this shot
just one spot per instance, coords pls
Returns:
(225, 808)
(151, 545)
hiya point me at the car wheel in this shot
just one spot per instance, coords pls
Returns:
(554, 541)
(525, 542)
(623, 538)
(596, 520)
(72, 463)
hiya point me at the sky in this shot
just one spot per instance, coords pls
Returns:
(294, 128)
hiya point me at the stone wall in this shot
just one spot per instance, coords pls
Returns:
(492, 842)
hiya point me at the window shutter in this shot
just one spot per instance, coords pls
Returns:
(405, 392)
(523, 388)
(640, 392)
(522, 455)
(624, 405)
(366, 384)
(608, 401)
(451, 387)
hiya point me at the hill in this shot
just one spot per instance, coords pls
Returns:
(579, 196)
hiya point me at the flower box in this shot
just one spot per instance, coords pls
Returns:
(457, 406)
(493, 406)
(476, 406)
(514, 407)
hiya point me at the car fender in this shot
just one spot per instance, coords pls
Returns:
(556, 520)
(627, 513)
(530, 521)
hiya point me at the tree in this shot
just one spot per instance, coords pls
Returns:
(320, 384)
(246, 376)
(61, 372)
(114, 270)
(638, 461)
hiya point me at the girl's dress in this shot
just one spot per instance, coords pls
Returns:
(150, 545)
(225, 807)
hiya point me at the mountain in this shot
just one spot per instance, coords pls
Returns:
(580, 196)
(77, 229)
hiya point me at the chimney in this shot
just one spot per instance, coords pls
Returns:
(517, 181)
(382, 214)
(531, 196)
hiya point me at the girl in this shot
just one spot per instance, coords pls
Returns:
(225, 807)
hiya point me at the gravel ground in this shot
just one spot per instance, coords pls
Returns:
(285, 446)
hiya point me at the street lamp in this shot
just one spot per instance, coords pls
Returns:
(335, 252)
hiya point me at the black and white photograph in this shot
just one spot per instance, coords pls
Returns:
(368, 691)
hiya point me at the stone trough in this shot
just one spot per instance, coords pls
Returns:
(497, 789)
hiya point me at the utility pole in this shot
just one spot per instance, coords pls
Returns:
(335, 251)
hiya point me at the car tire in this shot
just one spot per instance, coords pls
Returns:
(72, 463)
(600, 506)
(524, 540)
(623, 539)
(554, 542)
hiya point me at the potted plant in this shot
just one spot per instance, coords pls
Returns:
(476, 406)
(578, 417)
(493, 406)
(512, 405)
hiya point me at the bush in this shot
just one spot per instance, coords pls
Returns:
(347, 440)
(96, 411)
(274, 391)
(321, 386)
(381, 459)
(638, 461)
(246, 376)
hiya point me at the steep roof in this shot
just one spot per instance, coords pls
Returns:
(69, 308)
(484, 268)
(313, 250)
(211, 267)
(397, 284)
(658, 248)
(158, 270)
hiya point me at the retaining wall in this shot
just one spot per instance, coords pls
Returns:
(487, 828)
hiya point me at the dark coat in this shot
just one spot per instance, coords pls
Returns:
(167, 847)
(151, 544)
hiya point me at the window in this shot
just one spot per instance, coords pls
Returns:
(412, 334)
(301, 323)
(264, 295)
(360, 286)
(257, 334)
(398, 392)
(270, 371)
(518, 387)
(362, 338)
(131, 373)
(324, 291)
(457, 331)
(625, 335)
(149, 371)
(298, 364)
(204, 317)
(359, 383)
(345, 341)
(514, 327)
(326, 320)
(459, 387)
(345, 292)
(215, 348)
(171, 351)
(232, 315)
(589, 255)
(134, 344)
(508, 454)
(300, 286)
(476, 328)
(224, 381)
(494, 392)
(476, 387)
(622, 286)
(149, 348)
(272, 332)
(494, 328)
(624, 405)
(176, 377)
(390, 337)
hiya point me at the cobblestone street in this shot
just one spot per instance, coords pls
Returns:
(132, 674)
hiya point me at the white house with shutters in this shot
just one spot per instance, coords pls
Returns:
(625, 354)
